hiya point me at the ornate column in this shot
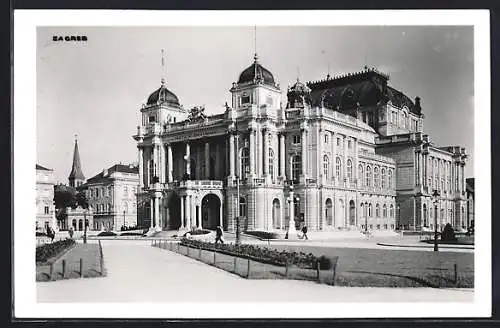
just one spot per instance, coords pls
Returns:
(355, 166)
(462, 165)
(148, 167)
(170, 163)
(141, 167)
(319, 160)
(151, 209)
(154, 159)
(220, 216)
(304, 152)
(231, 155)
(282, 156)
(259, 148)
(217, 168)
(265, 150)
(183, 199)
(252, 152)
(188, 159)
(188, 212)
(157, 212)
(207, 160)
(163, 166)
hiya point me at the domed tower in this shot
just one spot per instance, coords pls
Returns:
(298, 96)
(162, 107)
(256, 88)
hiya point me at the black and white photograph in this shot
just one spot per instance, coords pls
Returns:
(221, 165)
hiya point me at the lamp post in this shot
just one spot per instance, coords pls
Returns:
(435, 195)
(398, 216)
(124, 222)
(84, 226)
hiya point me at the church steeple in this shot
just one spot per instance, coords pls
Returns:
(76, 177)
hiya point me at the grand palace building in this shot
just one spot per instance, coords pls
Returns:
(346, 152)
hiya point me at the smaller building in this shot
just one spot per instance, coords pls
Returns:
(45, 209)
(111, 195)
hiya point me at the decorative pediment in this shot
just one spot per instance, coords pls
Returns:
(197, 114)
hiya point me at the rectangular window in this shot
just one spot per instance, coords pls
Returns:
(326, 138)
(338, 142)
(152, 118)
(349, 144)
(46, 210)
(296, 139)
(245, 99)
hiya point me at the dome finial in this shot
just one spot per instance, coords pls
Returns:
(162, 67)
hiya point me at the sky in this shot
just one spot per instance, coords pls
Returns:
(95, 89)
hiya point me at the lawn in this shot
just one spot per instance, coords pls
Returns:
(395, 268)
(89, 253)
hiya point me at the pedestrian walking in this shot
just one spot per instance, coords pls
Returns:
(218, 235)
(304, 232)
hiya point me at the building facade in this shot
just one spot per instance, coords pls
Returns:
(112, 197)
(45, 208)
(470, 202)
(347, 152)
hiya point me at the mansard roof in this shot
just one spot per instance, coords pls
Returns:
(101, 177)
(366, 88)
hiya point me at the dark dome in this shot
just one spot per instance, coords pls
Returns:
(162, 95)
(255, 72)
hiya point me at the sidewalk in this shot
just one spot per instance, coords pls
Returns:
(138, 272)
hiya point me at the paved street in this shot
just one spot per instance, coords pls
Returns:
(138, 272)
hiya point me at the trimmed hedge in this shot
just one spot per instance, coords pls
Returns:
(198, 232)
(263, 254)
(47, 251)
(264, 234)
(107, 233)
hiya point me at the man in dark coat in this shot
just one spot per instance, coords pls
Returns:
(218, 235)
(304, 231)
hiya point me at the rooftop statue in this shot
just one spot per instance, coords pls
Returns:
(197, 114)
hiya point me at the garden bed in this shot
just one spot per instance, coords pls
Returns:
(49, 251)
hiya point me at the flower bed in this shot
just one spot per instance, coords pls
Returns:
(264, 234)
(47, 251)
(263, 254)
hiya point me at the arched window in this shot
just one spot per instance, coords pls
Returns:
(382, 180)
(244, 163)
(326, 166)
(384, 211)
(296, 167)
(349, 171)
(243, 206)
(360, 175)
(391, 211)
(368, 182)
(389, 179)
(376, 177)
(271, 163)
(338, 168)
(370, 214)
(377, 210)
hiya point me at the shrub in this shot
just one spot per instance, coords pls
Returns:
(47, 251)
(261, 254)
(41, 234)
(131, 234)
(107, 233)
(448, 234)
(264, 234)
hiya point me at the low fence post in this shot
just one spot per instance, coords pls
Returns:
(317, 271)
(101, 258)
(214, 256)
(234, 263)
(63, 268)
(455, 273)
(199, 255)
(51, 272)
(248, 273)
(334, 268)
(187, 251)
(179, 248)
(286, 269)
(81, 268)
